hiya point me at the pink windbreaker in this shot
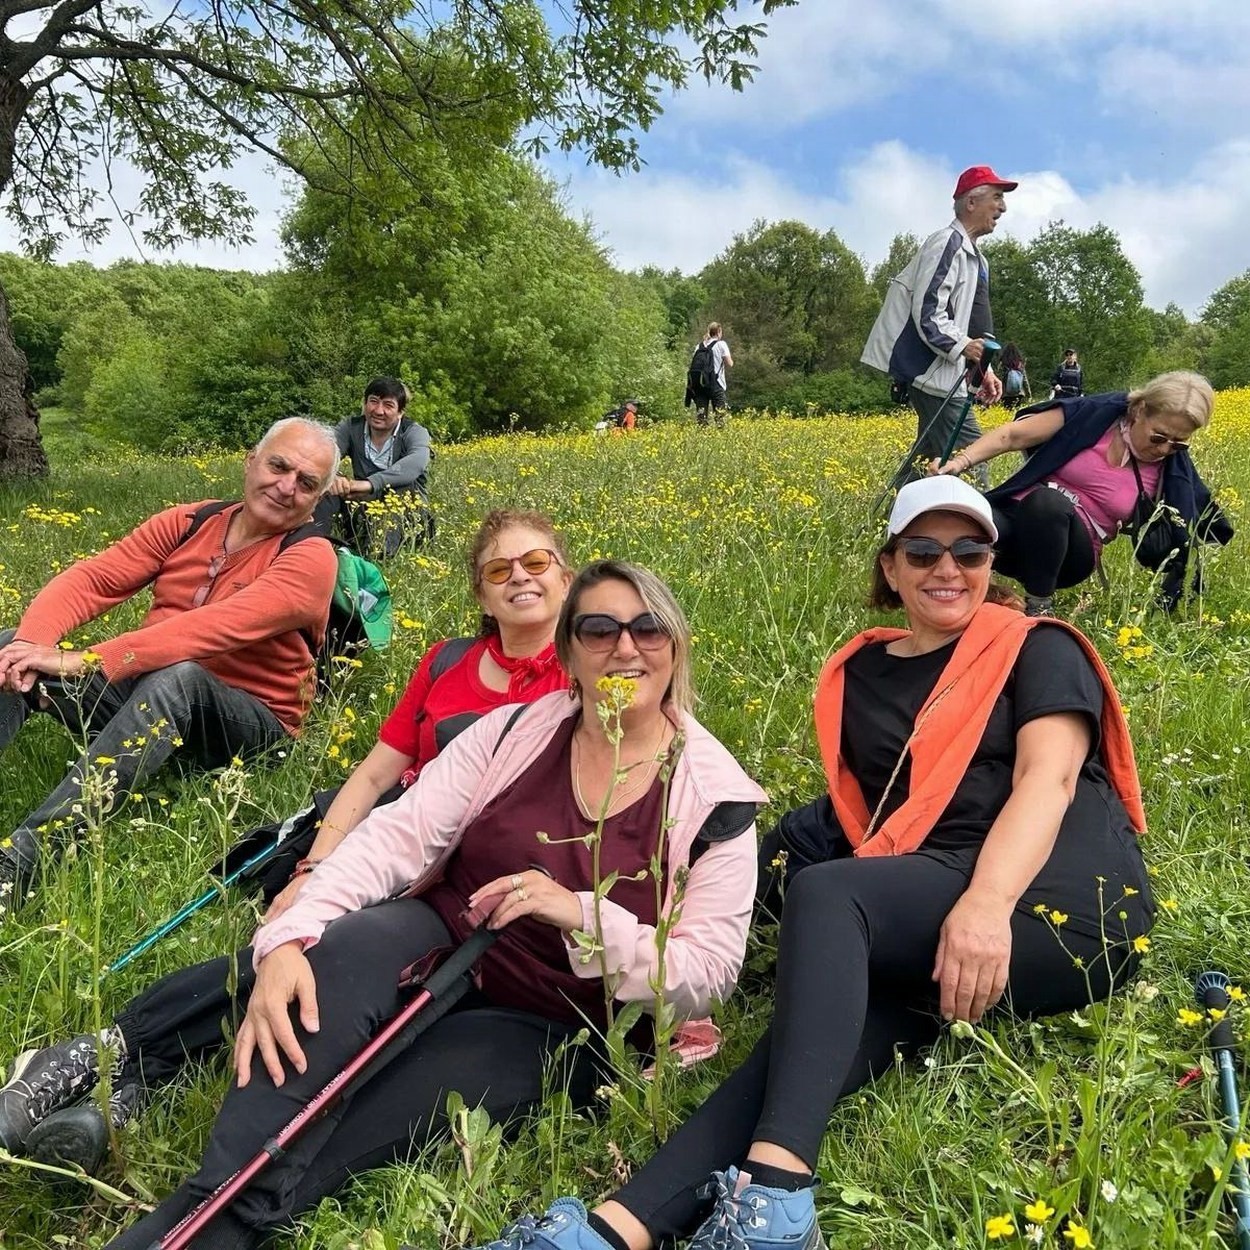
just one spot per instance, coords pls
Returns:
(406, 843)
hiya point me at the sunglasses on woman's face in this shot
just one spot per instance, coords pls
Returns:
(924, 553)
(1172, 444)
(498, 570)
(599, 632)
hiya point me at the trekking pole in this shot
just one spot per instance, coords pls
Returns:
(987, 359)
(911, 451)
(1211, 991)
(440, 991)
(178, 918)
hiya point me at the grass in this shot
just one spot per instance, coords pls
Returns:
(763, 531)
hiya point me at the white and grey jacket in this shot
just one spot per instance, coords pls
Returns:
(922, 328)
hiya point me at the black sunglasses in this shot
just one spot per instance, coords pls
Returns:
(924, 553)
(1173, 444)
(597, 631)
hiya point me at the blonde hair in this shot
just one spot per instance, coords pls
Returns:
(659, 602)
(1180, 393)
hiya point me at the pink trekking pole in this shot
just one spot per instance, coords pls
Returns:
(440, 991)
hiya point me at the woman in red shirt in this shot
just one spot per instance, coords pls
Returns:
(520, 574)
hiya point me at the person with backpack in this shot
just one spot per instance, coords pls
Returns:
(705, 379)
(386, 498)
(1015, 377)
(222, 665)
(1068, 381)
(519, 571)
(494, 832)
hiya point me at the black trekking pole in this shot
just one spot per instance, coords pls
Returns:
(892, 484)
(439, 993)
(1211, 990)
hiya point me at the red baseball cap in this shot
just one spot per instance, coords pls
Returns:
(981, 176)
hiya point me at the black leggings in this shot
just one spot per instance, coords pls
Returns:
(857, 947)
(496, 1058)
(1042, 542)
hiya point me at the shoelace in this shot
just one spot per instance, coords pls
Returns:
(731, 1218)
(523, 1231)
(61, 1080)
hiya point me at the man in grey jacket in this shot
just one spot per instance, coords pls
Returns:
(390, 458)
(936, 314)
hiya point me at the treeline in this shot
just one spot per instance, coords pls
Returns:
(469, 278)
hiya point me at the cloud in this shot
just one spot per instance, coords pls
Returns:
(1186, 235)
(252, 173)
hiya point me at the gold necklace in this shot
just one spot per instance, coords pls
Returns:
(617, 792)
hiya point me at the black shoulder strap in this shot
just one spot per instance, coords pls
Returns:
(726, 820)
(309, 529)
(200, 515)
(517, 713)
(449, 655)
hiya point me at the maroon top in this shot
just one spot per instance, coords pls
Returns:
(528, 967)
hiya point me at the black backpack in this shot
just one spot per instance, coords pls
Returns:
(345, 632)
(702, 373)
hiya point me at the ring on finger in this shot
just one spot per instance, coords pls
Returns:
(516, 881)
(522, 893)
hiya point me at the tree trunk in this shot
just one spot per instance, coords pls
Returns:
(21, 450)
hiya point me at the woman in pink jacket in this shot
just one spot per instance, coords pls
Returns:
(465, 838)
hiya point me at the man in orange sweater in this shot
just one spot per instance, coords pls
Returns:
(223, 663)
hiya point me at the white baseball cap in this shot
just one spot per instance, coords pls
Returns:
(946, 493)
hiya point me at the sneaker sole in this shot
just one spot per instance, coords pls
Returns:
(76, 1136)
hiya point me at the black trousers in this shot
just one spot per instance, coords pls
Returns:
(499, 1059)
(1042, 542)
(857, 947)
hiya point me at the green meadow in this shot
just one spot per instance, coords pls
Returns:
(1080, 1130)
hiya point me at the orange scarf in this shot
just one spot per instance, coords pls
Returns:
(949, 728)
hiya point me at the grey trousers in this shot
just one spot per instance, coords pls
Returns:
(936, 422)
(137, 724)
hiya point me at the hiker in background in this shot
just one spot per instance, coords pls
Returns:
(622, 420)
(981, 791)
(705, 379)
(519, 572)
(1099, 466)
(221, 666)
(390, 456)
(463, 842)
(1015, 377)
(929, 335)
(1068, 381)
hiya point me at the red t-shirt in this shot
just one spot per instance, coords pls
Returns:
(431, 712)
(528, 966)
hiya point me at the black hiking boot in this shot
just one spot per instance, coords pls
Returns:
(44, 1081)
(78, 1136)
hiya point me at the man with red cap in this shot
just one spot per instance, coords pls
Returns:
(936, 314)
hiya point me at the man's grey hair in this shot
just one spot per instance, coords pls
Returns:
(323, 433)
(964, 202)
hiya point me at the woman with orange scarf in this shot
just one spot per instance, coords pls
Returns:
(978, 845)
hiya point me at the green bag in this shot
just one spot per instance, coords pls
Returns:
(361, 607)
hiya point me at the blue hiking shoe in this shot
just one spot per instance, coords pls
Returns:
(563, 1227)
(751, 1217)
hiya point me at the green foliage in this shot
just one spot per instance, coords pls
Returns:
(793, 302)
(1071, 288)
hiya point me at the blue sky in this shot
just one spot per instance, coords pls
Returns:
(1130, 112)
